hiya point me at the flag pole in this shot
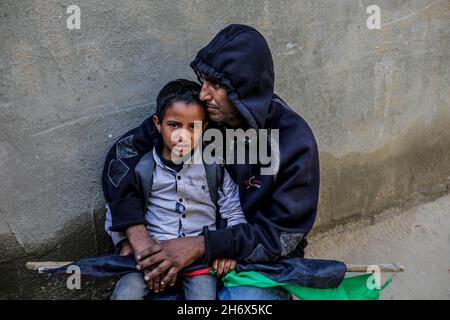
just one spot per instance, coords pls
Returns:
(361, 268)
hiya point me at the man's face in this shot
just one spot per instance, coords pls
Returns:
(219, 106)
(181, 128)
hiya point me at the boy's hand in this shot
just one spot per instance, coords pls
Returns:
(125, 248)
(223, 265)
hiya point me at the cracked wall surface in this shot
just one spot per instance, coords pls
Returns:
(378, 102)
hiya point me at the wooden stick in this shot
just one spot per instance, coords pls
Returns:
(350, 267)
(46, 264)
(388, 267)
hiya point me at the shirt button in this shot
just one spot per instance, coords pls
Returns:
(179, 177)
(183, 216)
(180, 200)
(183, 234)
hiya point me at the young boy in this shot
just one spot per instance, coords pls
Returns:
(180, 202)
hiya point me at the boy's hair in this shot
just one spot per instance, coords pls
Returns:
(180, 90)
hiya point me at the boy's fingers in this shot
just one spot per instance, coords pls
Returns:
(227, 266)
(220, 267)
(233, 265)
(214, 264)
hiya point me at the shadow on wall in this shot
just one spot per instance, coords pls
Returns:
(410, 167)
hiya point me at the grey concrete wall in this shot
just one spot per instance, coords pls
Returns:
(377, 100)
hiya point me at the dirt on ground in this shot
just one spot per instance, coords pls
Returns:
(417, 238)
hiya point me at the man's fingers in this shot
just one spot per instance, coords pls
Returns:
(150, 261)
(156, 284)
(155, 248)
(169, 279)
(160, 270)
(146, 276)
(233, 265)
(174, 280)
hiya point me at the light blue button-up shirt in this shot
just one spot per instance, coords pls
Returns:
(180, 203)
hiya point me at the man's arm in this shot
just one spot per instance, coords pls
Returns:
(174, 255)
(275, 229)
(285, 215)
(120, 188)
(282, 221)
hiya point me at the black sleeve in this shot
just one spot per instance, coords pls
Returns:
(119, 183)
(284, 220)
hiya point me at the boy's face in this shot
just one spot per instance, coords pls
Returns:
(181, 128)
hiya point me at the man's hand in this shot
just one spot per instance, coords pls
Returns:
(174, 255)
(125, 248)
(223, 265)
(139, 240)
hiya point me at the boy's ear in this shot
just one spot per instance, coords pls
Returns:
(157, 123)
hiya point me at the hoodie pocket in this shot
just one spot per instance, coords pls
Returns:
(260, 254)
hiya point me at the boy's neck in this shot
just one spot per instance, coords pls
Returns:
(167, 155)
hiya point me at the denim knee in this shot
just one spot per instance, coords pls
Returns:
(201, 287)
(253, 293)
(130, 286)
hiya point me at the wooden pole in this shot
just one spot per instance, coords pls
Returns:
(392, 267)
(388, 267)
(46, 264)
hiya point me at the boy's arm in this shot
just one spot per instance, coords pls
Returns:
(231, 210)
(137, 236)
(229, 203)
(116, 236)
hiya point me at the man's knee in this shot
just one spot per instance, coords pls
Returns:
(130, 286)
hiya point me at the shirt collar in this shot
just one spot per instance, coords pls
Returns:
(195, 159)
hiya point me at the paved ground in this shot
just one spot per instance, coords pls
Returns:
(417, 238)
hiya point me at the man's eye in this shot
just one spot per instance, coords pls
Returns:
(212, 82)
(215, 84)
(173, 125)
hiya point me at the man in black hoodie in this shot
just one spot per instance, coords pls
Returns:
(236, 71)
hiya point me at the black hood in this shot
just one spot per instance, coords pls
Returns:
(239, 58)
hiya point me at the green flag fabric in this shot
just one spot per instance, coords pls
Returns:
(351, 288)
